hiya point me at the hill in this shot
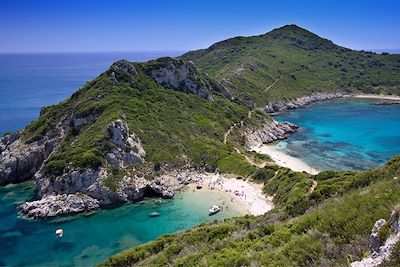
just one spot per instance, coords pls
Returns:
(291, 62)
(329, 226)
(117, 138)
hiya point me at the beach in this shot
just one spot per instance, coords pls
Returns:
(383, 97)
(285, 160)
(245, 196)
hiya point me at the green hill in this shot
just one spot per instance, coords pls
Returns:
(297, 63)
(329, 226)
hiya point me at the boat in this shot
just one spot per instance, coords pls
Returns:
(214, 209)
(154, 214)
(59, 233)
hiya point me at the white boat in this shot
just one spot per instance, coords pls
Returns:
(59, 232)
(214, 209)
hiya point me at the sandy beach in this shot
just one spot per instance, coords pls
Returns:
(383, 97)
(285, 160)
(243, 195)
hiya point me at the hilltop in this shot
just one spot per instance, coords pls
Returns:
(122, 137)
(147, 128)
(291, 62)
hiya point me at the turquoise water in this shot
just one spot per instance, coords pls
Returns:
(344, 134)
(30, 81)
(90, 239)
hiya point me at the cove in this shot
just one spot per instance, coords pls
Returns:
(343, 134)
(92, 238)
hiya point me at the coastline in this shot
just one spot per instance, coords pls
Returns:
(285, 160)
(248, 199)
(372, 96)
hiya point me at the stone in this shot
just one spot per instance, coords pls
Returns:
(268, 133)
(374, 241)
(64, 204)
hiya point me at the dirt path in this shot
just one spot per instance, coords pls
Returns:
(269, 87)
(313, 186)
(227, 133)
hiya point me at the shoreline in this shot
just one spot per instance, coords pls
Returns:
(372, 96)
(284, 160)
(248, 198)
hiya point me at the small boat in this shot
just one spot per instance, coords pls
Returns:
(59, 233)
(154, 214)
(214, 209)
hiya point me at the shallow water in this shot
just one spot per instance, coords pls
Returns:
(344, 134)
(30, 81)
(90, 239)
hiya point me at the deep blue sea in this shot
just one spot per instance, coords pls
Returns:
(344, 134)
(355, 134)
(30, 81)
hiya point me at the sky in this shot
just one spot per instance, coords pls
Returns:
(182, 25)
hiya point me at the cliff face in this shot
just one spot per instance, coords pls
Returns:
(268, 133)
(101, 146)
(381, 247)
(20, 161)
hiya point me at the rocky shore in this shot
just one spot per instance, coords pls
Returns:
(302, 101)
(269, 133)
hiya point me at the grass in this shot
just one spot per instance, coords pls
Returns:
(333, 231)
(175, 128)
(306, 62)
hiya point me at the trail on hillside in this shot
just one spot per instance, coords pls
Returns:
(313, 186)
(269, 87)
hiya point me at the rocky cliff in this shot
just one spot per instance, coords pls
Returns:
(268, 133)
(301, 102)
(381, 246)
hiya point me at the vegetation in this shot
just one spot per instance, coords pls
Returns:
(318, 220)
(333, 230)
(175, 128)
(300, 63)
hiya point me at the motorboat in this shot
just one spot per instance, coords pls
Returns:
(214, 209)
(154, 214)
(59, 233)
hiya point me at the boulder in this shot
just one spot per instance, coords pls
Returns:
(57, 205)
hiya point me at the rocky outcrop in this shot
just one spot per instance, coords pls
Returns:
(90, 191)
(381, 252)
(77, 123)
(20, 161)
(374, 238)
(270, 132)
(122, 71)
(183, 76)
(59, 205)
(301, 102)
(128, 148)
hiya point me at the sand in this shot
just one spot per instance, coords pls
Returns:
(386, 97)
(285, 160)
(248, 198)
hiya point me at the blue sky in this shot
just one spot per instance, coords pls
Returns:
(140, 25)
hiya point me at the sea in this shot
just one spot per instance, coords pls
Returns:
(344, 134)
(31, 81)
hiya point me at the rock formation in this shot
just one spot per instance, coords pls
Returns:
(268, 133)
(381, 252)
(20, 161)
(59, 205)
(183, 76)
(301, 101)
